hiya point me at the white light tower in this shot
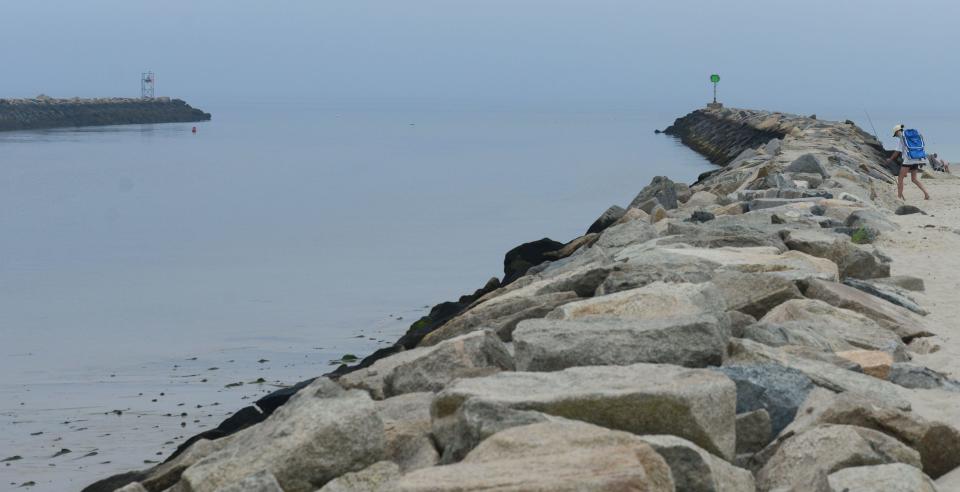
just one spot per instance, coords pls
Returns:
(148, 82)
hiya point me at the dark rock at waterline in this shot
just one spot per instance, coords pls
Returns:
(607, 219)
(520, 259)
(110, 484)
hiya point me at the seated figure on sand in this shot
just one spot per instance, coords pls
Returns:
(938, 164)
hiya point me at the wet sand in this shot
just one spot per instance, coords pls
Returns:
(63, 432)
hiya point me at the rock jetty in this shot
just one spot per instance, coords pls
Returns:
(742, 333)
(48, 112)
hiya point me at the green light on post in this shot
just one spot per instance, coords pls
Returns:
(715, 79)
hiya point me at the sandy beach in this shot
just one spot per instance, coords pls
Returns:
(927, 246)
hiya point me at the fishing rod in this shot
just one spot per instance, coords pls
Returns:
(871, 125)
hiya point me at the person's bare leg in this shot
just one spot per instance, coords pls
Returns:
(913, 177)
(903, 174)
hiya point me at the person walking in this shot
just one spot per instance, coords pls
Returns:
(909, 164)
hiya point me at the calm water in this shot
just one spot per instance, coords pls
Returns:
(282, 233)
(287, 223)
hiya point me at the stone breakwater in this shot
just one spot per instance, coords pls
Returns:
(741, 333)
(31, 114)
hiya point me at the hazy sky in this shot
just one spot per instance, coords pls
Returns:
(799, 55)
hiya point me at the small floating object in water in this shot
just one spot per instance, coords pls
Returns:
(194, 130)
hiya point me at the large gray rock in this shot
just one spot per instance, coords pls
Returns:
(796, 333)
(808, 163)
(407, 430)
(648, 266)
(475, 354)
(772, 388)
(378, 477)
(631, 232)
(371, 379)
(889, 293)
(871, 220)
(754, 293)
(500, 314)
(817, 324)
(914, 376)
(701, 199)
(804, 461)
(904, 282)
(476, 420)
(661, 188)
(718, 234)
(262, 481)
(165, 475)
(895, 477)
(823, 374)
(552, 345)
(937, 443)
(555, 456)
(754, 431)
(696, 404)
(606, 219)
(792, 265)
(889, 316)
(695, 470)
(305, 443)
(656, 300)
(852, 260)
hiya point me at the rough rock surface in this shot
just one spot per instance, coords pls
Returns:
(813, 318)
(937, 444)
(567, 456)
(656, 300)
(696, 470)
(314, 438)
(378, 477)
(823, 374)
(895, 477)
(696, 404)
(407, 430)
(661, 188)
(889, 293)
(475, 354)
(873, 362)
(916, 376)
(753, 431)
(644, 267)
(262, 481)
(606, 219)
(852, 260)
(775, 389)
(552, 345)
(892, 317)
(804, 461)
(754, 293)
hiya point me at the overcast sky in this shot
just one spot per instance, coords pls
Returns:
(794, 55)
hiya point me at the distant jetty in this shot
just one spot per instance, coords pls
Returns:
(48, 112)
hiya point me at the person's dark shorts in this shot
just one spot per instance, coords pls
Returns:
(912, 167)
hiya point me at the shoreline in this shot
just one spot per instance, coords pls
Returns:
(760, 193)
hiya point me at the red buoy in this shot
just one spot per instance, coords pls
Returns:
(194, 130)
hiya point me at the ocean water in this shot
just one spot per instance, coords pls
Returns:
(145, 268)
